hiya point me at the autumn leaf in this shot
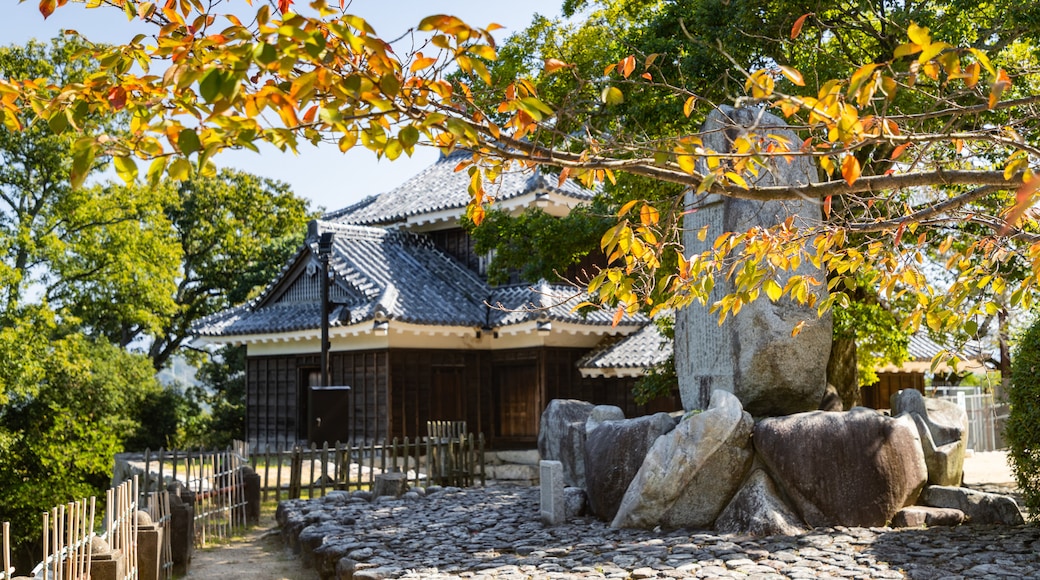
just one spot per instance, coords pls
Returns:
(792, 75)
(47, 7)
(1003, 81)
(797, 28)
(117, 98)
(850, 169)
(827, 206)
(612, 96)
(1023, 200)
(627, 65)
(553, 64)
(688, 106)
(283, 5)
(898, 151)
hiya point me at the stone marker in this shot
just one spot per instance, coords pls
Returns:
(753, 354)
(391, 484)
(691, 472)
(553, 506)
(561, 437)
(855, 468)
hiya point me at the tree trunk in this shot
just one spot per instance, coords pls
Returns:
(842, 372)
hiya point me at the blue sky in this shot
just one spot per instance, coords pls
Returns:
(324, 175)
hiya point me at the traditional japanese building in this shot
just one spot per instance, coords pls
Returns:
(416, 333)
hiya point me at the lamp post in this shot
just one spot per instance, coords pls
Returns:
(324, 251)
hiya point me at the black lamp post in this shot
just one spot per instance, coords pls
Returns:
(324, 252)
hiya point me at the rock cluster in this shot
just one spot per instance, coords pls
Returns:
(718, 469)
(495, 533)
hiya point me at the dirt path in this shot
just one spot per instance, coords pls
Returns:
(258, 555)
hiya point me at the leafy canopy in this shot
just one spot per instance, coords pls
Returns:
(921, 119)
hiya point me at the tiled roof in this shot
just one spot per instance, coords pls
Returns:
(639, 350)
(439, 188)
(924, 348)
(398, 274)
(403, 277)
(524, 302)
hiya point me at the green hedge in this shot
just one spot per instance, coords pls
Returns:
(1023, 426)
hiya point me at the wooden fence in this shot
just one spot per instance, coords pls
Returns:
(68, 535)
(158, 504)
(288, 472)
(8, 572)
(213, 476)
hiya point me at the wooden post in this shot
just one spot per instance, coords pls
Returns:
(324, 466)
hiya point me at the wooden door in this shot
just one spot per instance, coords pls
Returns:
(446, 395)
(517, 401)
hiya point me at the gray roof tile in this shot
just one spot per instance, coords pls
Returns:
(404, 277)
(639, 350)
(439, 187)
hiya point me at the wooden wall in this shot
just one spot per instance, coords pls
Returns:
(393, 393)
(879, 395)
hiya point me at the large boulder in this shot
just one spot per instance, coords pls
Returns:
(614, 451)
(856, 468)
(690, 474)
(561, 437)
(980, 507)
(758, 510)
(754, 354)
(943, 428)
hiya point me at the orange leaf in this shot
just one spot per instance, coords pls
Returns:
(117, 98)
(827, 207)
(797, 28)
(564, 173)
(850, 169)
(899, 233)
(553, 64)
(647, 76)
(898, 151)
(47, 7)
(627, 65)
(617, 315)
(283, 5)
(1023, 199)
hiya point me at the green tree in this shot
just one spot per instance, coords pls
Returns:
(1023, 425)
(70, 403)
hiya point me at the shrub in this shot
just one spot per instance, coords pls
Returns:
(1023, 425)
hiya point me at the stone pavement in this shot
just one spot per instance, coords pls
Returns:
(496, 533)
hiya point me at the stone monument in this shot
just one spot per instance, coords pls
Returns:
(753, 354)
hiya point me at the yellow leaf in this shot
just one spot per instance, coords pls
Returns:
(905, 50)
(1003, 81)
(627, 207)
(772, 289)
(688, 106)
(612, 96)
(702, 233)
(686, 163)
(919, 35)
(649, 215)
(737, 179)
